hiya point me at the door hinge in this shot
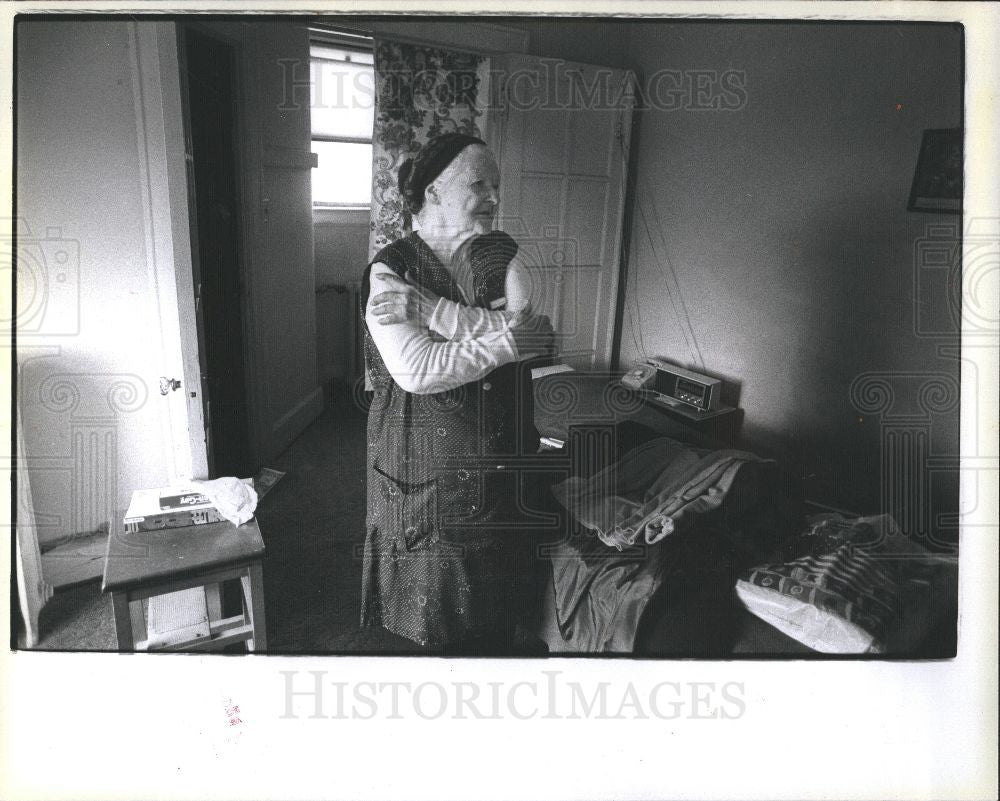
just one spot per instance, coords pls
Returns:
(504, 100)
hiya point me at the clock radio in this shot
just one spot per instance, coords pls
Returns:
(675, 384)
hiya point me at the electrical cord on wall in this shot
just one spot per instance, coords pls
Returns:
(666, 272)
(634, 318)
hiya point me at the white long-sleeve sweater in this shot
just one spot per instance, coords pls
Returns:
(463, 343)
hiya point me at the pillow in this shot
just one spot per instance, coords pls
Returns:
(852, 587)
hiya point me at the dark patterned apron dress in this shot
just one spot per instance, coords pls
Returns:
(448, 542)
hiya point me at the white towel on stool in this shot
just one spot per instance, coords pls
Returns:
(234, 498)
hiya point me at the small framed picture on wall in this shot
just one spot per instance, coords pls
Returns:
(937, 182)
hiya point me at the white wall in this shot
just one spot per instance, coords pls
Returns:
(93, 416)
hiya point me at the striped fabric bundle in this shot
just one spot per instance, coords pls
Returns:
(845, 586)
(848, 583)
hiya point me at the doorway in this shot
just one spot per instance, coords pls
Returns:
(209, 91)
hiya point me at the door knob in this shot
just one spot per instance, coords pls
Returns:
(168, 385)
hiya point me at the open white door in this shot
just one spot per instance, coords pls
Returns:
(163, 174)
(563, 146)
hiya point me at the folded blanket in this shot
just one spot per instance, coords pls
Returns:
(655, 492)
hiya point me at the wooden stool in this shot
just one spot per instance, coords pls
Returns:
(180, 571)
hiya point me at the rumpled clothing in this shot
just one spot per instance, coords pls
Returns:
(655, 490)
(659, 490)
(235, 499)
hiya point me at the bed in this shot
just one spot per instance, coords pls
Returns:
(667, 596)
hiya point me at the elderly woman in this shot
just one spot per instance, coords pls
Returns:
(447, 319)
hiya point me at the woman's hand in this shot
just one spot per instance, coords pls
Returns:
(406, 302)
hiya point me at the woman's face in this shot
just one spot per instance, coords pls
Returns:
(465, 195)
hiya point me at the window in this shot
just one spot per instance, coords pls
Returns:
(343, 115)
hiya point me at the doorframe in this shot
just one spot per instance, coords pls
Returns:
(246, 117)
(249, 170)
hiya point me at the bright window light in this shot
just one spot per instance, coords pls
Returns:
(344, 174)
(343, 116)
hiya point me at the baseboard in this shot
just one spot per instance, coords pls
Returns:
(293, 423)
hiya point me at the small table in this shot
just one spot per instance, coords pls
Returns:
(722, 424)
(180, 571)
(596, 399)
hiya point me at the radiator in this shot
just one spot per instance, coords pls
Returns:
(340, 332)
(356, 343)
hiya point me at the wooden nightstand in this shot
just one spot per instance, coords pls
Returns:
(597, 400)
(722, 424)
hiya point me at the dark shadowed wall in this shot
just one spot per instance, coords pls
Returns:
(601, 42)
(771, 245)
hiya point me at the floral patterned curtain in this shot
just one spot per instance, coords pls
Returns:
(420, 92)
